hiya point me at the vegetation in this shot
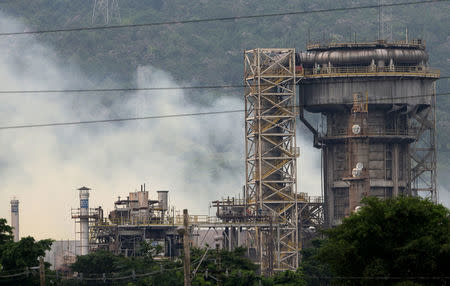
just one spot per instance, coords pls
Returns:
(400, 237)
(18, 256)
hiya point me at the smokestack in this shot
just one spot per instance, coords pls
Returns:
(84, 219)
(15, 218)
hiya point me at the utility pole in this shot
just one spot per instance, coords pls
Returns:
(187, 253)
(42, 270)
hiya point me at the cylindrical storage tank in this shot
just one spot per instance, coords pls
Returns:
(163, 199)
(15, 218)
(84, 220)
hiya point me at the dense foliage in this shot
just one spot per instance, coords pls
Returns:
(405, 238)
(18, 256)
(218, 267)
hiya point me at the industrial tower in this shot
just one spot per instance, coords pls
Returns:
(15, 219)
(271, 152)
(378, 103)
(84, 215)
(378, 139)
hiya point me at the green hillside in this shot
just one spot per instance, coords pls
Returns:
(211, 53)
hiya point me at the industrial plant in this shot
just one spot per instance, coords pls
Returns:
(375, 102)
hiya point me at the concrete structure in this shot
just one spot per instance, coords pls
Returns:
(15, 219)
(377, 102)
(84, 220)
(62, 254)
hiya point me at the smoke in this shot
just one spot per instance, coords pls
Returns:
(197, 158)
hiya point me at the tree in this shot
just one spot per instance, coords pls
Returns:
(314, 269)
(97, 262)
(16, 256)
(24, 253)
(399, 237)
(5, 232)
(287, 278)
(229, 267)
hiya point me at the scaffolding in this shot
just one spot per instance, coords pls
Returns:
(422, 152)
(271, 152)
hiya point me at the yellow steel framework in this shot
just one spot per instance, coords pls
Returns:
(270, 115)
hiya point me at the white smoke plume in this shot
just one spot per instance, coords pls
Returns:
(198, 158)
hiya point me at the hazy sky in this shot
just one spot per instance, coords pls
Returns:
(198, 159)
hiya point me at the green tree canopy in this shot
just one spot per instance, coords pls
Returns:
(24, 253)
(400, 237)
(5, 232)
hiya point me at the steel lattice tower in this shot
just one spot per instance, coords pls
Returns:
(109, 9)
(270, 120)
(422, 152)
(385, 21)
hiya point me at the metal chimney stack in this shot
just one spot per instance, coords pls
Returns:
(84, 220)
(15, 218)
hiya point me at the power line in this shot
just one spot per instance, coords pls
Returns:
(231, 18)
(120, 89)
(120, 119)
(141, 88)
(175, 115)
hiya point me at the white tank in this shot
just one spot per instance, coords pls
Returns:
(84, 220)
(15, 218)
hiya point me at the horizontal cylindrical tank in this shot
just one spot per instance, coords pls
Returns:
(163, 199)
(364, 55)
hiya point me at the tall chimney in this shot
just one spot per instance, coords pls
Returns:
(15, 218)
(84, 220)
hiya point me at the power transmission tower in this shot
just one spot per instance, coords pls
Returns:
(106, 11)
(385, 21)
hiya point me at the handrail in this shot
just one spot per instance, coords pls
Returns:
(417, 43)
(409, 132)
(368, 70)
(177, 220)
